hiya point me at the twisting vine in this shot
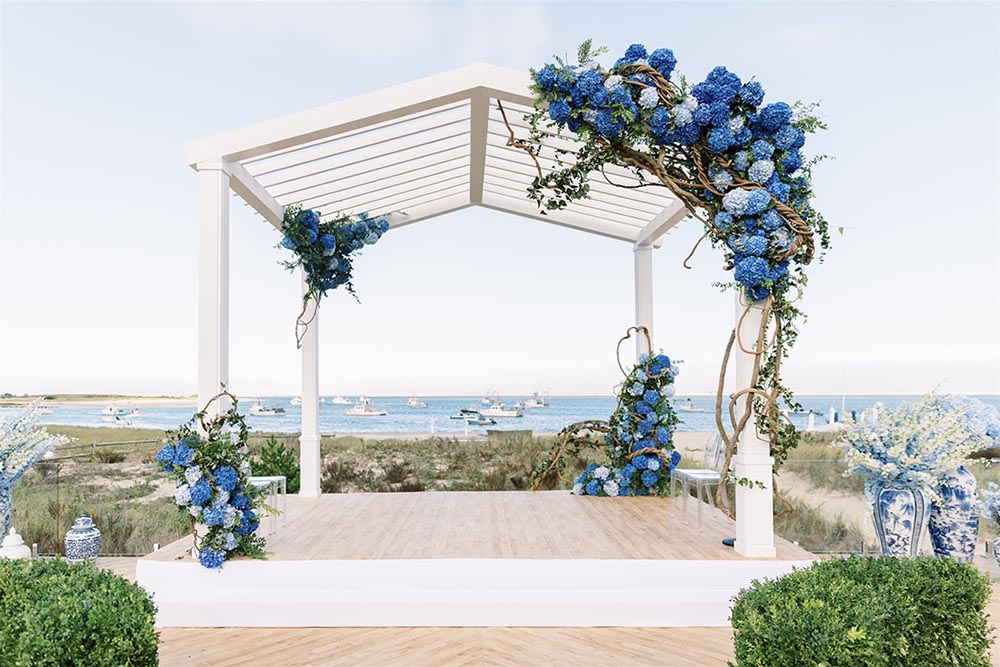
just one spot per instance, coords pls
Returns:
(734, 163)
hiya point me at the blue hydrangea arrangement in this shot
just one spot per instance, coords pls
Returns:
(211, 467)
(735, 161)
(325, 250)
(639, 435)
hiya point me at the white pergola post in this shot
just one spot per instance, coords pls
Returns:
(213, 283)
(643, 295)
(309, 453)
(754, 505)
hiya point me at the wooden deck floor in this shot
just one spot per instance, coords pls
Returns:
(503, 524)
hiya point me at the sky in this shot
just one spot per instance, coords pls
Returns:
(98, 236)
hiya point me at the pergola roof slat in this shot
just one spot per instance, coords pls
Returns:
(434, 145)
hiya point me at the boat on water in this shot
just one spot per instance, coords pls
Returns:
(465, 413)
(479, 420)
(340, 400)
(296, 400)
(259, 409)
(689, 406)
(364, 408)
(501, 410)
(414, 402)
(537, 401)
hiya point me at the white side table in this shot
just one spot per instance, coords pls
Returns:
(276, 484)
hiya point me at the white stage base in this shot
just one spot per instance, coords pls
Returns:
(451, 592)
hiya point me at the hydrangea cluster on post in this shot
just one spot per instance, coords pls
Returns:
(751, 151)
(640, 438)
(212, 474)
(324, 249)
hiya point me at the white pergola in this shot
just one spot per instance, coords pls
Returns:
(409, 153)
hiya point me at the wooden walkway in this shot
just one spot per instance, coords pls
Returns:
(501, 524)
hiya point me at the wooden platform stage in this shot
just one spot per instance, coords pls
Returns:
(470, 559)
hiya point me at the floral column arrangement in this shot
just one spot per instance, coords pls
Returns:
(22, 444)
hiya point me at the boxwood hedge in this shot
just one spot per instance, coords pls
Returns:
(871, 612)
(54, 614)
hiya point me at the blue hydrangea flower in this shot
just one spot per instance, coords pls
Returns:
(635, 52)
(757, 200)
(628, 471)
(638, 389)
(662, 435)
(651, 397)
(723, 220)
(200, 493)
(165, 456)
(289, 243)
(639, 462)
(789, 138)
(751, 271)
(792, 162)
(752, 93)
(755, 245)
(663, 61)
(593, 487)
(546, 77)
(607, 125)
(559, 111)
(183, 454)
(779, 190)
(214, 515)
(226, 477)
(211, 558)
(773, 116)
(771, 220)
(649, 477)
(675, 458)
(310, 234)
(240, 501)
(720, 139)
(762, 149)
(329, 243)
(643, 409)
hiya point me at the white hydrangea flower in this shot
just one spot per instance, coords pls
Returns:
(590, 116)
(641, 61)
(611, 487)
(192, 475)
(653, 463)
(602, 472)
(195, 511)
(690, 103)
(736, 124)
(613, 82)
(668, 391)
(682, 117)
(761, 170)
(578, 489)
(182, 496)
(649, 97)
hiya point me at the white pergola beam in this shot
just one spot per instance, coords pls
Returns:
(522, 207)
(662, 223)
(420, 212)
(581, 207)
(213, 284)
(753, 461)
(362, 111)
(254, 194)
(643, 257)
(478, 124)
(309, 440)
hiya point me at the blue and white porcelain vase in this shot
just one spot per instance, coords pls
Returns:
(900, 517)
(6, 510)
(83, 541)
(954, 520)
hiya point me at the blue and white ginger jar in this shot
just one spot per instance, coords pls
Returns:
(900, 517)
(83, 541)
(954, 520)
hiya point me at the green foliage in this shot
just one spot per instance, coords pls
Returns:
(53, 614)
(876, 612)
(108, 455)
(276, 459)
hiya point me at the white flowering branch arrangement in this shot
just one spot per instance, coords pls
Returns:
(989, 504)
(22, 444)
(911, 446)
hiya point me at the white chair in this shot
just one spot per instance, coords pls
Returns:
(276, 485)
(704, 479)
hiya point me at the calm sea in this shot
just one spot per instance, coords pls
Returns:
(435, 417)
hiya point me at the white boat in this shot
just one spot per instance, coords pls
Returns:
(537, 401)
(322, 400)
(116, 421)
(479, 420)
(689, 406)
(297, 400)
(465, 413)
(415, 402)
(340, 400)
(258, 409)
(364, 408)
(501, 410)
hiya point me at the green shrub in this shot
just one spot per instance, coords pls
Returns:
(875, 612)
(55, 614)
(276, 459)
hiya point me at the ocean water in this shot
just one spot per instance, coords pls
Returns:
(435, 417)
